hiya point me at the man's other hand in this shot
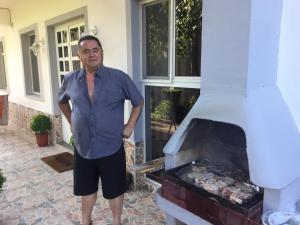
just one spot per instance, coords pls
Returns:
(127, 131)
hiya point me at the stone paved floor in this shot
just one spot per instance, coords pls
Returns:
(36, 194)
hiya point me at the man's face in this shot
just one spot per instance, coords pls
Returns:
(90, 54)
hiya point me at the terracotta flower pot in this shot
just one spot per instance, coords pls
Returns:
(42, 139)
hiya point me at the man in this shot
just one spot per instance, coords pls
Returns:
(97, 94)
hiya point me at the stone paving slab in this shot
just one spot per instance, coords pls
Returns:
(36, 194)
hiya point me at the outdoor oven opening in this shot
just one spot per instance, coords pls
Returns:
(219, 171)
(217, 142)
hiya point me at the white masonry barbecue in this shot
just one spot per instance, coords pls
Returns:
(240, 62)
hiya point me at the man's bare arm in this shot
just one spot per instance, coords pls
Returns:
(134, 115)
(66, 110)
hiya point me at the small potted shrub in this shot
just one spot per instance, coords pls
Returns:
(41, 126)
(72, 141)
(2, 180)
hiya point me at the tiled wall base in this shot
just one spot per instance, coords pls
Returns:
(134, 155)
(21, 116)
(134, 152)
(3, 110)
(137, 168)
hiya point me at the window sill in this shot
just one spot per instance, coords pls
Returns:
(34, 97)
(4, 92)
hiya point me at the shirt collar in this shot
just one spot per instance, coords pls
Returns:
(98, 73)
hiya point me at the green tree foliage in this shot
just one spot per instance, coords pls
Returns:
(188, 25)
(72, 141)
(157, 28)
(162, 110)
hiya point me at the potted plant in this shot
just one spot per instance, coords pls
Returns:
(2, 180)
(41, 126)
(72, 141)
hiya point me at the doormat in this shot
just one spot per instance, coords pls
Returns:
(60, 162)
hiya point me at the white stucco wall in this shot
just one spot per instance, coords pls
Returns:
(240, 63)
(107, 16)
(289, 55)
(225, 38)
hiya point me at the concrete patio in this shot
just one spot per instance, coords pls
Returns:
(36, 194)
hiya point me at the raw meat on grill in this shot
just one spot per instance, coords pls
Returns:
(198, 168)
(217, 179)
(227, 191)
(211, 187)
(228, 180)
(240, 196)
(245, 187)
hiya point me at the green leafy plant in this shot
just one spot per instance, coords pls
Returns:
(41, 124)
(171, 90)
(162, 110)
(72, 141)
(190, 103)
(2, 180)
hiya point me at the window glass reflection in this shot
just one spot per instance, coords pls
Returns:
(60, 53)
(76, 64)
(67, 68)
(65, 36)
(58, 34)
(61, 66)
(156, 37)
(166, 107)
(74, 33)
(188, 37)
(81, 29)
(66, 51)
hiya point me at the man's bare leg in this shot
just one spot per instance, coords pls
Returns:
(87, 203)
(116, 206)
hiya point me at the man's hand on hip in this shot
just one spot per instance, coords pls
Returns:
(127, 131)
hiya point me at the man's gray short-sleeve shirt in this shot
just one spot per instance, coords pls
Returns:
(97, 126)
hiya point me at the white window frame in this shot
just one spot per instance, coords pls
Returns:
(172, 80)
(35, 92)
(153, 79)
(4, 74)
(70, 58)
(27, 66)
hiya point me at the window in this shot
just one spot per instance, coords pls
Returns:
(165, 35)
(188, 37)
(34, 67)
(67, 36)
(165, 109)
(30, 62)
(3, 84)
(156, 39)
(171, 63)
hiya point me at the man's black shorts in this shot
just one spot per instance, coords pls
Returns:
(111, 170)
